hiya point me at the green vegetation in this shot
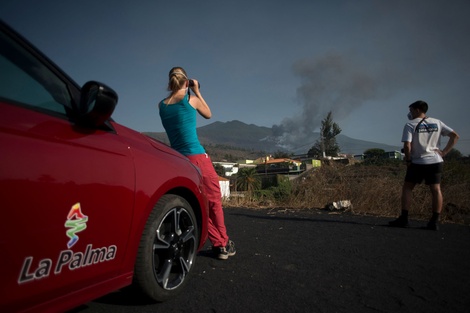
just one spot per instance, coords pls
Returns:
(326, 145)
(373, 186)
(372, 189)
(248, 180)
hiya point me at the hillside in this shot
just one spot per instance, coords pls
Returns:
(236, 137)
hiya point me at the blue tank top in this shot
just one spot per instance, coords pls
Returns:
(179, 121)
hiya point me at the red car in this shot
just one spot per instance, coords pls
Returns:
(88, 206)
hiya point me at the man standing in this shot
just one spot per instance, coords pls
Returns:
(424, 159)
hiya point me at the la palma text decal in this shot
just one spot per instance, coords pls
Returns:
(68, 259)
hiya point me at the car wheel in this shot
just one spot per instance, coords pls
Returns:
(167, 249)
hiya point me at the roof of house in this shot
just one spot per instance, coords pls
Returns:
(274, 161)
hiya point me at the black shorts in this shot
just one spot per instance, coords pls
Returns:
(430, 173)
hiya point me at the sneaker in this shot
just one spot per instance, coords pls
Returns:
(223, 253)
(230, 248)
(399, 222)
(432, 226)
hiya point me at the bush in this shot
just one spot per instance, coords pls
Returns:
(372, 189)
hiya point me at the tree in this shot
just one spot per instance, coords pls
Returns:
(453, 154)
(219, 169)
(248, 179)
(326, 145)
(374, 156)
(374, 153)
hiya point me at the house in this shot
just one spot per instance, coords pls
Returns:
(394, 155)
(224, 187)
(229, 168)
(246, 163)
(271, 165)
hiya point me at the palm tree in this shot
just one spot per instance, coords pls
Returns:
(248, 179)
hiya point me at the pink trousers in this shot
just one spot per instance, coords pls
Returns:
(216, 226)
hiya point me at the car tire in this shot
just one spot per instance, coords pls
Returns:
(167, 249)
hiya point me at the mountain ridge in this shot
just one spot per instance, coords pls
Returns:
(260, 138)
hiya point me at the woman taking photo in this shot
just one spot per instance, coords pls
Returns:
(178, 115)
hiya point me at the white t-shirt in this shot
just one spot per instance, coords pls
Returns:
(425, 137)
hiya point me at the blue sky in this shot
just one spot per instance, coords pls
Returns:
(284, 63)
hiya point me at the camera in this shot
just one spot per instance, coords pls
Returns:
(191, 83)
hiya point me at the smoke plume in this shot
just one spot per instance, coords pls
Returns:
(331, 83)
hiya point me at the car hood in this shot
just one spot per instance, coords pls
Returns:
(132, 136)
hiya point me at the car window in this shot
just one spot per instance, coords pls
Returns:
(24, 79)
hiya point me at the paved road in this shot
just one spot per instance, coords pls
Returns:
(312, 261)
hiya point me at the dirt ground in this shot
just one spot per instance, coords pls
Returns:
(315, 261)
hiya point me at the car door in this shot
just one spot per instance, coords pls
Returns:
(67, 191)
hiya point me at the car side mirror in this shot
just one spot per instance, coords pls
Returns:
(97, 103)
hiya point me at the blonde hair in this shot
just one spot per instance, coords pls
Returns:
(177, 79)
